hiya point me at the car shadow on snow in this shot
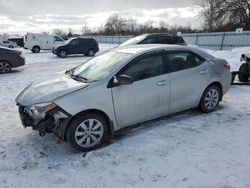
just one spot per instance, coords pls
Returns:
(168, 120)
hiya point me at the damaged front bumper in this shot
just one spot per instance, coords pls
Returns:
(54, 121)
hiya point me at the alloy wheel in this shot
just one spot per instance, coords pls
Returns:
(63, 54)
(91, 53)
(211, 99)
(5, 67)
(89, 133)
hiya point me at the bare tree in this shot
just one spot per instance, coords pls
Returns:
(85, 29)
(115, 24)
(222, 15)
(58, 32)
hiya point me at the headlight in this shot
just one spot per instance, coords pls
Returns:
(38, 111)
(44, 107)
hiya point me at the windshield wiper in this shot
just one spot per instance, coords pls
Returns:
(80, 78)
(76, 77)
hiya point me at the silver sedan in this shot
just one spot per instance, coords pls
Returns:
(123, 87)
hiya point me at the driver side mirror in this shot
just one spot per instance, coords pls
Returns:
(123, 80)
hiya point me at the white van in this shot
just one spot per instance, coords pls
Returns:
(36, 42)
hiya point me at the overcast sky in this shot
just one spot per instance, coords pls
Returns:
(21, 16)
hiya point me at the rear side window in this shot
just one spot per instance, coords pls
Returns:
(146, 67)
(166, 40)
(178, 61)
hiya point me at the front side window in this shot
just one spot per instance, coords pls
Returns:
(151, 40)
(74, 42)
(178, 61)
(145, 68)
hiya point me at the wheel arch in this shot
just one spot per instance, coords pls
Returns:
(103, 114)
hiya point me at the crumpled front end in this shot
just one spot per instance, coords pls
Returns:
(54, 121)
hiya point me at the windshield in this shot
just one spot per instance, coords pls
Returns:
(101, 66)
(134, 40)
(69, 40)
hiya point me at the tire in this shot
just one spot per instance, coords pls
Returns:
(36, 49)
(245, 69)
(62, 54)
(11, 46)
(5, 67)
(210, 99)
(91, 52)
(87, 132)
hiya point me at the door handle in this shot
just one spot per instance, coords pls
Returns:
(161, 83)
(204, 72)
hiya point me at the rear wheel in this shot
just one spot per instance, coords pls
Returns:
(87, 132)
(11, 46)
(36, 49)
(5, 67)
(62, 54)
(210, 99)
(91, 53)
(244, 69)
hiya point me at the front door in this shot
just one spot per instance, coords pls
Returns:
(148, 97)
(74, 47)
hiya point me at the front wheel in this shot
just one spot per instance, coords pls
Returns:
(5, 67)
(36, 49)
(210, 99)
(87, 132)
(62, 54)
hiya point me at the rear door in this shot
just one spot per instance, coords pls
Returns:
(84, 44)
(147, 97)
(189, 77)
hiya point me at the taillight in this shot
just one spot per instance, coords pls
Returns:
(227, 66)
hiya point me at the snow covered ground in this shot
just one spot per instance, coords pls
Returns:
(189, 149)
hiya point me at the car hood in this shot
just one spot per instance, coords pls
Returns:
(4, 50)
(59, 45)
(48, 90)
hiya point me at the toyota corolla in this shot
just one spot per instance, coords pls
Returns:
(120, 88)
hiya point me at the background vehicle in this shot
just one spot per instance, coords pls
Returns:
(10, 59)
(18, 40)
(122, 87)
(8, 44)
(155, 38)
(86, 46)
(244, 71)
(36, 42)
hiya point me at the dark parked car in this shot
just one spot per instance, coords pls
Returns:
(10, 59)
(18, 41)
(155, 38)
(86, 46)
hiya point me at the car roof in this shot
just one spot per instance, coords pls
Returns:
(144, 48)
(160, 34)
